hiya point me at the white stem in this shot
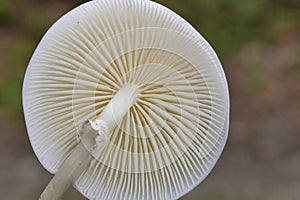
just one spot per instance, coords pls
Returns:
(114, 112)
(71, 168)
(93, 137)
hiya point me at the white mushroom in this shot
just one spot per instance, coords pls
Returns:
(125, 100)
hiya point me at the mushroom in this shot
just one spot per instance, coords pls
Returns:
(125, 100)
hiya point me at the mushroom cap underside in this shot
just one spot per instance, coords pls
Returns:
(171, 137)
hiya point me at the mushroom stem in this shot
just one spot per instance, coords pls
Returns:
(68, 173)
(93, 136)
(114, 112)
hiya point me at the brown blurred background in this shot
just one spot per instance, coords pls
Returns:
(258, 42)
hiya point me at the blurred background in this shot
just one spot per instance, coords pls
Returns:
(258, 42)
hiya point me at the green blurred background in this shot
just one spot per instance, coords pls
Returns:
(258, 42)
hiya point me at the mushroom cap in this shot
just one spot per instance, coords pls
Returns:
(171, 137)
